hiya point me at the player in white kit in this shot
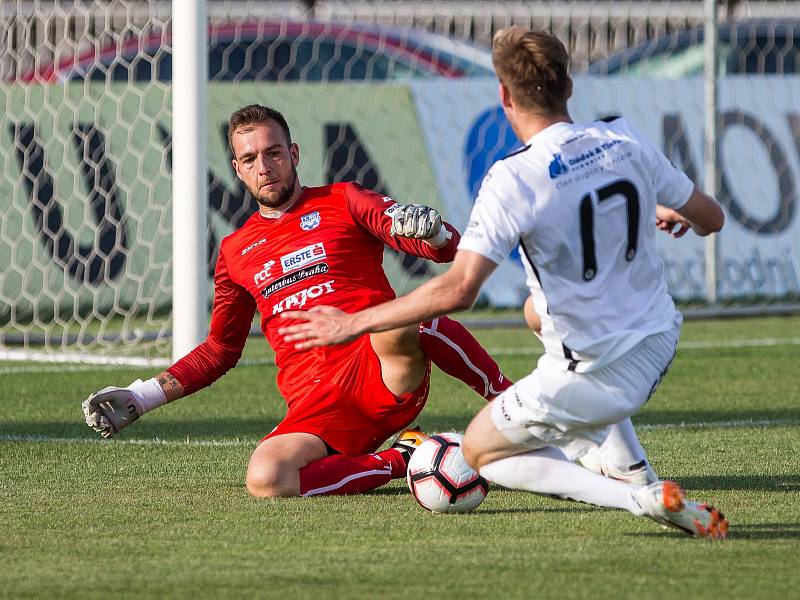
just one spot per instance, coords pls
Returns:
(581, 202)
(621, 456)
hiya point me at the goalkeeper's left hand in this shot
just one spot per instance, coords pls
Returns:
(112, 409)
(420, 222)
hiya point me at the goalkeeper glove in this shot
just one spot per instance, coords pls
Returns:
(419, 222)
(112, 409)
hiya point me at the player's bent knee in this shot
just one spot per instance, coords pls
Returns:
(471, 445)
(479, 458)
(260, 488)
(270, 480)
(483, 443)
(472, 454)
(470, 457)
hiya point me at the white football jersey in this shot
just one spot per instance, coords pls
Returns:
(580, 202)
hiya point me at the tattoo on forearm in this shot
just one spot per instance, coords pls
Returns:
(168, 382)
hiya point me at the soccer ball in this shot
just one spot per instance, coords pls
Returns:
(439, 478)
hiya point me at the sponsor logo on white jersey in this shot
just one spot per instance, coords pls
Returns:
(264, 273)
(253, 245)
(304, 256)
(299, 299)
(310, 221)
(473, 230)
(557, 166)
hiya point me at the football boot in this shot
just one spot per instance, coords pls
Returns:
(666, 503)
(408, 440)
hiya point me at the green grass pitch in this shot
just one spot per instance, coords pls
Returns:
(162, 511)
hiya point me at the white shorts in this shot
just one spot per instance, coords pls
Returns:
(573, 411)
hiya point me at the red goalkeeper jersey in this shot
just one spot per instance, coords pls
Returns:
(326, 249)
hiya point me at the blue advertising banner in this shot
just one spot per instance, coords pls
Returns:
(759, 162)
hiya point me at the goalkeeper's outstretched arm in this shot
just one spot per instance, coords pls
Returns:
(111, 409)
(415, 229)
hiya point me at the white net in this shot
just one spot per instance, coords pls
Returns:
(85, 188)
(397, 95)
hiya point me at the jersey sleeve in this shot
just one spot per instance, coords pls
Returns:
(373, 212)
(500, 217)
(231, 318)
(673, 187)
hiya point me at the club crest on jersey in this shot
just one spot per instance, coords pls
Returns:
(310, 221)
(264, 274)
(557, 166)
(304, 256)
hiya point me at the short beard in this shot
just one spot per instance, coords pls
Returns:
(277, 199)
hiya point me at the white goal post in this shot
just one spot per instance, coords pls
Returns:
(189, 134)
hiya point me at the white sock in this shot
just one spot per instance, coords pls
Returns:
(622, 448)
(547, 471)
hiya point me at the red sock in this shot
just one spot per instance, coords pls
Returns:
(341, 475)
(453, 349)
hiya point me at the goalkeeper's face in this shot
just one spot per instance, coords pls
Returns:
(266, 163)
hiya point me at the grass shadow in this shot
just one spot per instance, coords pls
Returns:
(388, 491)
(534, 510)
(755, 531)
(177, 428)
(765, 531)
(763, 483)
(163, 429)
(688, 417)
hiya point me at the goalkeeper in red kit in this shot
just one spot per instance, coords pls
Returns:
(304, 247)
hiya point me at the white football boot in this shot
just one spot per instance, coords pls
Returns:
(665, 503)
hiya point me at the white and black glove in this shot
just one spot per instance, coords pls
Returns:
(112, 409)
(419, 222)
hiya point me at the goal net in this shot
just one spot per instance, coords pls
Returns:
(397, 95)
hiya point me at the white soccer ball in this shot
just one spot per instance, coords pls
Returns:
(439, 478)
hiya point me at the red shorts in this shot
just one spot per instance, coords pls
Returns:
(350, 408)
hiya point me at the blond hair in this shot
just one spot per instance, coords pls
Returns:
(534, 66)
